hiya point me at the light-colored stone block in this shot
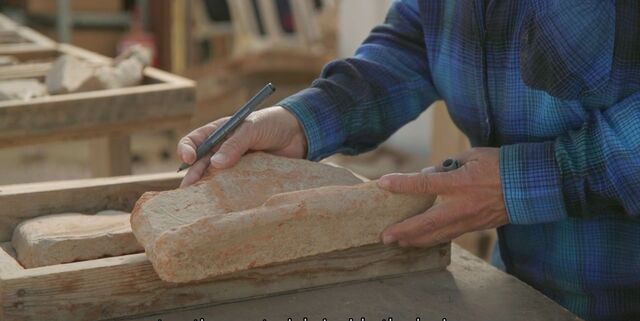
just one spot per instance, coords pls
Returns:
(70, 237)
(69, 74)
(21, 89)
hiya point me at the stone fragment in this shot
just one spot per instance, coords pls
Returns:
(69, 74)
(21, 89)
(275, 226)
(70, 237)
(127, 69)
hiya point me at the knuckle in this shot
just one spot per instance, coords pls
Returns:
(232, 144)
(427, 225)
(440, 237)
(249, 124)
(248, 130)
(424, 185)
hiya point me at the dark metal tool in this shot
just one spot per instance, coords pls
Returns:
(219, 134)
(450, 164)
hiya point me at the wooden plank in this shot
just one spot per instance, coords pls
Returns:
(8, 263)
(102, 112)
(110, 156)
(25, 201)
(28, 70)
(28, 54)
(30, 40)
(127, 285)
(178, 34)
(469, 289)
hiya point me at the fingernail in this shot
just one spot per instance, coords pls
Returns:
(219, 158)
(388, 239)
(427, 170)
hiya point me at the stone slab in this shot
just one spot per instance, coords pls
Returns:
(237, 219)
(70, 237)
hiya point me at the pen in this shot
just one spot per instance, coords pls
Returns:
(219, 134)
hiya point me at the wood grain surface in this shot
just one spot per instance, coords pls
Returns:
(128, 285)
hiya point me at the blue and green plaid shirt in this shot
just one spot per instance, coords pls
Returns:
(556, 85)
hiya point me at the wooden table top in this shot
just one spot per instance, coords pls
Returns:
(469, 289)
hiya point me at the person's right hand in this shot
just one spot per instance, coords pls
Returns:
(274, 130)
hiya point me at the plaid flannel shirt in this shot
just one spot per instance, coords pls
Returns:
(556, 86)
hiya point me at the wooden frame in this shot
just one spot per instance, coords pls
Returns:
(127, 285)
(31, 40)
(162, 101)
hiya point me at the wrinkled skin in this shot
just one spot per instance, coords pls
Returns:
(469, 199)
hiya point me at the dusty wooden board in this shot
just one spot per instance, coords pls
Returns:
(27, 70)
(127, 285)
(31, 40)
(468, 290)
(163, 101)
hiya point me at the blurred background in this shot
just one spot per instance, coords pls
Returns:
(229, 49)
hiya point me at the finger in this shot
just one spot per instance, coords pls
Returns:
(187, 145)
(187, 150)
(419, 183)
(195, 172)
(439, 215)
(233, 148)
(442, 235)
(461, 158)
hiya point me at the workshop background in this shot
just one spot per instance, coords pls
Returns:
(230, 49)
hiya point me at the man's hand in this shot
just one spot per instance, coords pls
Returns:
(469, 199)
(274, 130)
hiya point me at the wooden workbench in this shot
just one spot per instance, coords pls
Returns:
(469, 289)
(127, 285)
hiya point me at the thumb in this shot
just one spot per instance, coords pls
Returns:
(415, 183)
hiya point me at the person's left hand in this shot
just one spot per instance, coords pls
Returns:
(469, 199)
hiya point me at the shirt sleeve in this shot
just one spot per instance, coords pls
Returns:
(588, 172)
(359, 102)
